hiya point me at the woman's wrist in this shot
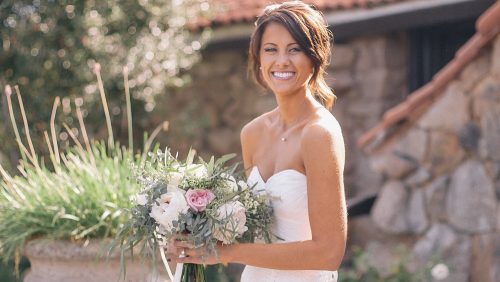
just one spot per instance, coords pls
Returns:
(225, 253)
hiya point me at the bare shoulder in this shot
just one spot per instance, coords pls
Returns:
(254, 128)
(322, 137)
(324, 127)
(250, 136)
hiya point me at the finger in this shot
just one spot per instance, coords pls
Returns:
(194, 260)
(172, 250)
(184, 244)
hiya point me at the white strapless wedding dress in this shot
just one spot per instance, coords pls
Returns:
(291, 223)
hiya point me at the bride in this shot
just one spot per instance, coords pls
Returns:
(295, 152)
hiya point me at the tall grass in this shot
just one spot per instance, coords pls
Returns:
(80, 196)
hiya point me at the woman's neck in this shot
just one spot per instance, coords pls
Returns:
(293, 108)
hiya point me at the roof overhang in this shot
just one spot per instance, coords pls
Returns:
(350, 23)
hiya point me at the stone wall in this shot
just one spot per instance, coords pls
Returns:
(368, 75)
(442, 183)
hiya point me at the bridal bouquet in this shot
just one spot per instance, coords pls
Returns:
(203, 203)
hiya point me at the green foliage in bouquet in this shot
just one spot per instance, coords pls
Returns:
(202, 203)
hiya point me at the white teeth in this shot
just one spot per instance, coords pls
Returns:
(283, 75)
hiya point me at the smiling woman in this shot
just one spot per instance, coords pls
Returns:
(295, 153)
(285, 68)
(302, 30)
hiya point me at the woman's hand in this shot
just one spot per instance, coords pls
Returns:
(185, 252)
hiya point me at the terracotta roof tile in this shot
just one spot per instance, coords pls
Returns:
(487, 27)
(234, 11)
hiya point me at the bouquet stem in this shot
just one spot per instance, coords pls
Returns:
(193, 273)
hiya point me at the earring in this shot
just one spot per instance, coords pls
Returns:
(260, 68)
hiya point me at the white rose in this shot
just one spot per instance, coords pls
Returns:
(243, 185)
(233, 215)
(172, 204)
(196, 170)
(141, 199)
(175, 178)
(231, 182)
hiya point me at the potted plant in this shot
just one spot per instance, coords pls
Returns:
(63, 214)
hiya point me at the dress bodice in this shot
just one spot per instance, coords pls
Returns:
(288, 192)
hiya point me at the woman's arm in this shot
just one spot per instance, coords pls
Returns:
(323, 154)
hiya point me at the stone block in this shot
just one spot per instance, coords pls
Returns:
(393, 165)
(476, 71)
(343, 56)
(371, 109)
(372, 83)
(497, 191)
(364, 180)
(418, 178)
(485, 97)
(397, 50)
(341, 80)
(416, 216)
(449, 113)
(493, 169)
(388, 212)
(484, 248)
(413, 144)
(469, 136)
(362, 230)
(445, 152)
(495, 57)
(452, 249)
(371, 53)
(490, 128)
(471, 201)
(438, 239)
(458, 259)
(435, 196)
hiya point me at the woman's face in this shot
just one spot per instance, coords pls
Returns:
(285, 67)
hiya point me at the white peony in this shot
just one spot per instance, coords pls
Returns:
(233, 215)
(172, 204)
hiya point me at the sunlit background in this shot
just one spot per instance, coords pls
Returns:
(412, 161)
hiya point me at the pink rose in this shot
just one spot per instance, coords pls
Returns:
(198, 199)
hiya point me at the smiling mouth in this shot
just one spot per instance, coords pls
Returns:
(282, 75)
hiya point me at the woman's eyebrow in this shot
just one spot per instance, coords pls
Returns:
(271, 43)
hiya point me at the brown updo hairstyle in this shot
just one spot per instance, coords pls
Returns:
(309, 28)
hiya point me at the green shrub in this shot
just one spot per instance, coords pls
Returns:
(360, 269)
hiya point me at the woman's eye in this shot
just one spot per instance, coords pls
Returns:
(269, 49)
(296, 49)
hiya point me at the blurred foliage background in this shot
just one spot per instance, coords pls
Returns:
(49, 47)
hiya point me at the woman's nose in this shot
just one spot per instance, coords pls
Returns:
(283, 60)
